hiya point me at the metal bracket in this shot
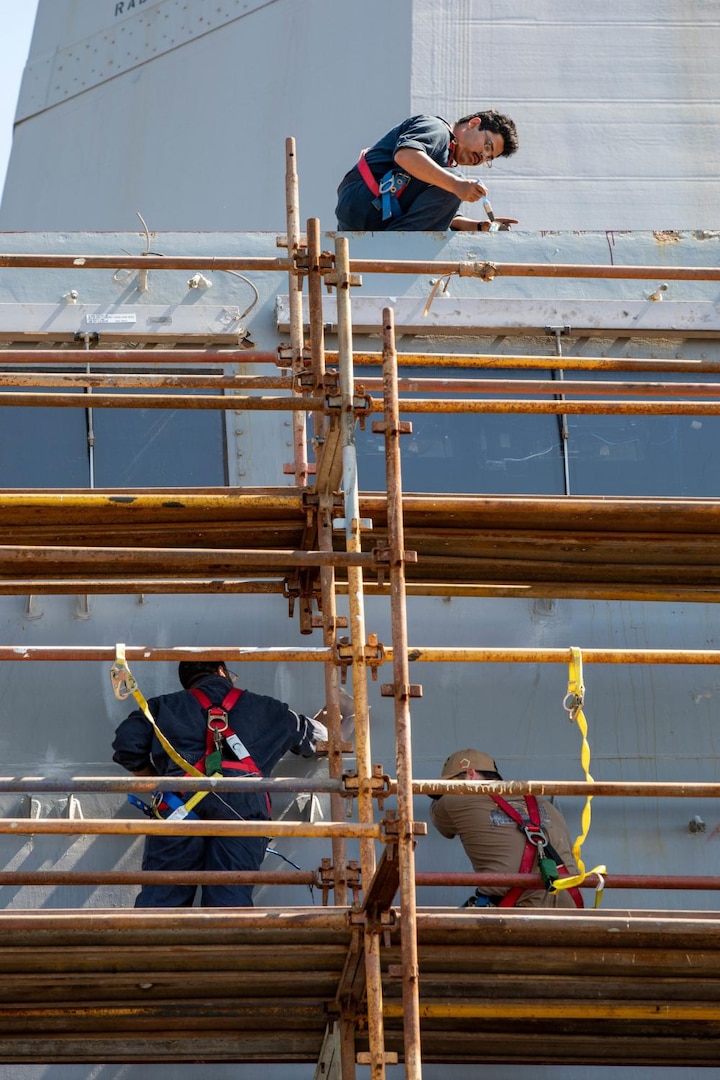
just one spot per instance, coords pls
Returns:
(380, 427)
(379, 784)
(69, 808)
(30, 808)
(405, 691)
(321, 622)
(342, 281)
(393, 827)
(357, 524)
(374, 655)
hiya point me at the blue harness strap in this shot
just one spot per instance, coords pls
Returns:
(391, 188)
(388, 191)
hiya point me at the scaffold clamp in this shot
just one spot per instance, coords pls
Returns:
(122, 679)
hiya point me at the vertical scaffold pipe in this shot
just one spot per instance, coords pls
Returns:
(332, 696)
(327, 573)
(317, 330)
(401, 685)
(356, 604)
(295, 286)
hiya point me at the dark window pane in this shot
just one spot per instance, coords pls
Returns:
(160, 447)
(490, 453)
(48, 447)
(645, 455)
(43, 447)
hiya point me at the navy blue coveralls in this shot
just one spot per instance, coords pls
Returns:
(424, 206)
(267, 727)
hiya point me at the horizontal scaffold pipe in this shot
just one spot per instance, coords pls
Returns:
(123, 784)
(133, 653)
(570, 1008)
(603, 408)
(80, 586)
(124, 380)
(534, 881)
(536, 386)
(407, 405)
(480, 269)
(480, 361)
(309, 877)
(147, 924)
(146, 827)
(440, 655)
(487, 270)
(689, 594)
(161, 401)
(614, 788)
(160, 877)
(416, 653)
(149, 262)
(112, 585)
(234, 501)
(150, 357)
(17, 554)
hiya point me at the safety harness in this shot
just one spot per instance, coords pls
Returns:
(550, 864)
(218, 730)
(168, 805)
(388, 190)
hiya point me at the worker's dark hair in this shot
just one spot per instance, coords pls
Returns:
(191, 671)
(491, 120)
(490, 775)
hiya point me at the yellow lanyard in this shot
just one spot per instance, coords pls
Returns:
(124, 685)
(573, 705)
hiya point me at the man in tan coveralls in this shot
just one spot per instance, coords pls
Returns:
(495, 843)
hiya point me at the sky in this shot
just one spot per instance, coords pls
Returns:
(17, 18)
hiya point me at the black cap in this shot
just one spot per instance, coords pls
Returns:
(191, 671)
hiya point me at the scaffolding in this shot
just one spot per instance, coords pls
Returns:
(388, 982)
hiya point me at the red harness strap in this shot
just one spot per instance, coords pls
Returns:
(366, 173)
(217, 721)
(512, 896)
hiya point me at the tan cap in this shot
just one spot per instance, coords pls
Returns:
(467, 759)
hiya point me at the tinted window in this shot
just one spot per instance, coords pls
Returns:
(502, 453)
(48, 447)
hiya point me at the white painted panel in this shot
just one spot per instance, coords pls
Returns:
(195, 137)
(617, 104)
(134, 32)
(182, 111)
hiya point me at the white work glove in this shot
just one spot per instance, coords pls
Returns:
(347, 715)
(318, 730)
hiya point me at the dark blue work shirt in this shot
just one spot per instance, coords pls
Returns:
(430, 134)
(432, 207)
(267, 727)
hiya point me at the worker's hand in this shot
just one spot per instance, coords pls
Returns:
(347, 715)
(319, 730)
(501, 224)
(469, 190)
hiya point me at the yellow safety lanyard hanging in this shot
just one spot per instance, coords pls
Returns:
(573, 704)
(124, 685)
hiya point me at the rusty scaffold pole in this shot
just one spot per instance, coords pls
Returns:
(480, 361)
(356, 607)
(295, 287)
(484, 270)
(392, 428)
(352, 525)
(324, 489)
